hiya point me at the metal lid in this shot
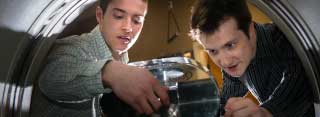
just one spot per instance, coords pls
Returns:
(193, 91)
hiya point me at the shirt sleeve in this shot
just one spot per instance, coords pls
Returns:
(232, 87)
(70, 75)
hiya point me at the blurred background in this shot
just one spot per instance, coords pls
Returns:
(165, 32)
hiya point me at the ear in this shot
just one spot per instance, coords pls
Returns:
(99, 14)
(252, 31)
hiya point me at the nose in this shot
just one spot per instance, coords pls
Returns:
(126, 25)
(225, 60)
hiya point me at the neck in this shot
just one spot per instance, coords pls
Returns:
(117, 55)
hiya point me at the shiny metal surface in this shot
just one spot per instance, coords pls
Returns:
(169, 71)
(193, 91)
(299, 20)
(189, 95)
(27, 30)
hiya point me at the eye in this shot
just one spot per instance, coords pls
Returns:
(117, 16)
(212, 52)
(230, 45)
(138, 20)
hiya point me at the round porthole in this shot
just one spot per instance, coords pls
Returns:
(28, 28)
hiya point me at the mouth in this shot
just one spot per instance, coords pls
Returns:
(231, 68)
(125, 39)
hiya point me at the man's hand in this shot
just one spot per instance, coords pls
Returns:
(244, 107)
(135, 86)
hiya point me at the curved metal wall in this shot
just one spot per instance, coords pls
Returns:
(298, 20)
(28, 27)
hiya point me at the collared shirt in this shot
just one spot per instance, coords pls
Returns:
(275, 77)
(71, 84)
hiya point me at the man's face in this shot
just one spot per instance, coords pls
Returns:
(230, 48)
(122, 22)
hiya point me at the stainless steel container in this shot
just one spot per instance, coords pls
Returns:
(193, 91)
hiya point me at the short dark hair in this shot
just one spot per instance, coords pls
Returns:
(104, 4)
(208, 15)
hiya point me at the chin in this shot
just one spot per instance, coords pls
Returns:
(236, 74)
(121, 50)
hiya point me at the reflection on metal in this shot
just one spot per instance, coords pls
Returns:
(189, 96)
(193, 95)
(169, 71)
(28, 29)
(299, 20)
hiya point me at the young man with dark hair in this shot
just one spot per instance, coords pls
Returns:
(81, 68)
(254, 57)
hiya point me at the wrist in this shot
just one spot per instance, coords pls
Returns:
(105, 75)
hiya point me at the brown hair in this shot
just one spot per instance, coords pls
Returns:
(208, 15)
(104, 4)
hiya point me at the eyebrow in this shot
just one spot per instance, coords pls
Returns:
(231, 41)
(123, 11)
(119, 10)
(208, 49)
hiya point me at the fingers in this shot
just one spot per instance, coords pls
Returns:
(150, 103)
(136, 107)
(228, 109)
(162, 93)
(240, 107)
(143, 92)
(143, 104)
(146, 107)
(242, 103)
(154, 101)
(246, 112)
(157, 95)
(231, 102)
(155, 91)
(148, 100)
